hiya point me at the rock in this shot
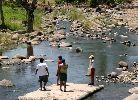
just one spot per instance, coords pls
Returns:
(32, 58)
(36, 33)
(123, 64)
(123, 36)
(19, 57)
(15, 36)
(58, 36)
(35, 42)
(6, 83)
(134, 90)
(134, 81)
(26, 60)
(78, 49)
(54, 44)
(64, 44)
(4, 57)
(113, 75)
(120, 69)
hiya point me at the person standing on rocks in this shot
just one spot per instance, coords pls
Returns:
(43, 73)
(63, 74)
(29, 50)
(58, 73)
(92, 70)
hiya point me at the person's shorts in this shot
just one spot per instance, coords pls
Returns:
(63, 77)
(43, 78)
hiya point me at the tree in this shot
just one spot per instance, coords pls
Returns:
(30, 8)
(1, 14)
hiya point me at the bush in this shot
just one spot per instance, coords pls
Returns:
(75, 14)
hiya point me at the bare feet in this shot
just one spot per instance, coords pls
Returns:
(61, 90)
(64, 90)
(44, 88)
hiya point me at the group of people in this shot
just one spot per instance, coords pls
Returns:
(43, 73)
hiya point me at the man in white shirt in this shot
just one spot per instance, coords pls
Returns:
(43, 73)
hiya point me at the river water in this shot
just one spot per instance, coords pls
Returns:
(106, 55)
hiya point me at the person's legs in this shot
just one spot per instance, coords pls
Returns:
(40, 80)
(41, 85)
(45, 80)
(44, 85)
(61, 83)
(92, 76)
(65, 86)
(58, 79)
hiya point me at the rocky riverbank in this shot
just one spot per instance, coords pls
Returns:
(131, 15)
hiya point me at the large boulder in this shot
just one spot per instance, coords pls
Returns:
(4, 57)
(19, 57)
(64, 44)
(123, 64)
(78, 50)
(6, 83)
(113, 75)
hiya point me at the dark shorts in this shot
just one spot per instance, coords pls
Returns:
(43, 78)
(63, 77)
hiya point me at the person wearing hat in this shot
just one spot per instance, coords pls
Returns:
(92, 69)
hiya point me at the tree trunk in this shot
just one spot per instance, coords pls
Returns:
(1, 13)
(30, 20)
(30, 8)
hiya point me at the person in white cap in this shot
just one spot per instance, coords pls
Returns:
(92, 69)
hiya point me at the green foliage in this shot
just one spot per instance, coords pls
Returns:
(37, 21)
(75, 14)
(15, 15)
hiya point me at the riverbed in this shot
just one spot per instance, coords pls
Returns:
(107, 56)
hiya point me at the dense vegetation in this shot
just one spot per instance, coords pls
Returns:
(94, 3)
(14, 13)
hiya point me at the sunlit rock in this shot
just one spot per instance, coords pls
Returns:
(65, 44)
(15, 36)
(6, 83)
(17, 56)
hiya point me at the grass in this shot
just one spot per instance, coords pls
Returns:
(15, 16)
(75, 14)
(37, 21)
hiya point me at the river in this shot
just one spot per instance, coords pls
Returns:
(106, 55)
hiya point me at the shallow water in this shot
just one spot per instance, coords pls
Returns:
(106, 55)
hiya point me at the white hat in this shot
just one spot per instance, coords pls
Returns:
(91, 56)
